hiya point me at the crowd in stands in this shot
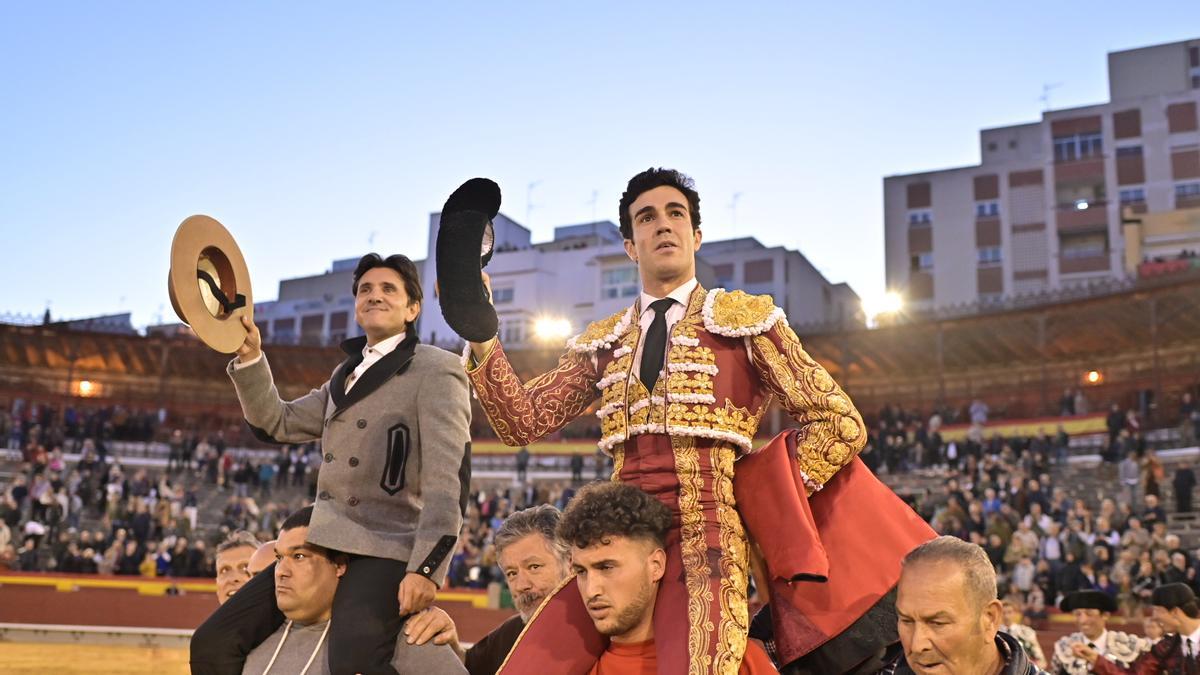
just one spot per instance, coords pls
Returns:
(1044, 538)
(97, 516)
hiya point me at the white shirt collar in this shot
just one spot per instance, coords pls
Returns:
(1195, 638)
(385, 347)
(681, 294)
(1101, 642)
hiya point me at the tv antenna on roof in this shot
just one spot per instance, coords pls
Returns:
(1045, 97)
(733, 207)
(529, 205)
(592, 203)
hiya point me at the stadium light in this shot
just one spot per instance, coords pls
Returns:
(883, 306)
(1081, 205)
(550, 329)
(1094, 377)
(86, 388)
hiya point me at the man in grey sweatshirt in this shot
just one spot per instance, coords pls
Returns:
(306, 579)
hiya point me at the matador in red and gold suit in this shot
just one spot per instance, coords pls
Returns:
(831, 535)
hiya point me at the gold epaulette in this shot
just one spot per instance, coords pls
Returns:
(737, 314)
(601, 334)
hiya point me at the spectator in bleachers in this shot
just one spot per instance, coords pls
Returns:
(1014, 625)
(1184, 483)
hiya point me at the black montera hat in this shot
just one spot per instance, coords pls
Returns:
(464, 245)
(1171, 596)
(1088, 600)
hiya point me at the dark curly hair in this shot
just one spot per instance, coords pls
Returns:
(610, 509)
(648, 180)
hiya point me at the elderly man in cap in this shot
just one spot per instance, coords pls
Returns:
(949, 617)
(1176, 611)
(1092, 610)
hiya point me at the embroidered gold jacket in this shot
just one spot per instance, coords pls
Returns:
(726, 358)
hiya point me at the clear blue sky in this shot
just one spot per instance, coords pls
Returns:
(307, 127)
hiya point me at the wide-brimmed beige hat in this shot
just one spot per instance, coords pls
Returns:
(209, 283)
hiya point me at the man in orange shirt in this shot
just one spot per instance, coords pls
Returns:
(617, 535)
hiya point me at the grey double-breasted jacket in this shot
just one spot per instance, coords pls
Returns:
(395, 467)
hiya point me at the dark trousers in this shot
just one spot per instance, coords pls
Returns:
(363, 640)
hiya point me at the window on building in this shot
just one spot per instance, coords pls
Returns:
(724, 273)
(987, 209)
(1194, 61)
(1187, 190)
(920, 217)
(501, 296)
(991, 146)
(338, 323)
(922, 262)
(1083, 245)
(619, 283)
(1130, 151)
(311, 328)
(1077, 146)
(1133, 195)
(284, 330)
(514, 331)
(989, 255)
(758, 271)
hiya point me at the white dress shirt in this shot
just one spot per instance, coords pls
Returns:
(678, 309)
(1193, 642)
(1101, 643)
(371, 355)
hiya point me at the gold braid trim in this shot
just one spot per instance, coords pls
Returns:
(735, 614)
(618, 455)
(694, 551)
(831, 430)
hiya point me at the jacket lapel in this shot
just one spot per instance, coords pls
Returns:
(383, 369)
(337, 384)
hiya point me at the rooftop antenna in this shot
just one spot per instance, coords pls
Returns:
(529, 205)
(371, 238)
(1045, 97)
(733, 208)
(592, 202)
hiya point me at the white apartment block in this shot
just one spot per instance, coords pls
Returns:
(581, 275)
(1043, 209)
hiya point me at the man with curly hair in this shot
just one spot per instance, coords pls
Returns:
(617, 535)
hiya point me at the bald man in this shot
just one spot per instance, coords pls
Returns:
(262, 558)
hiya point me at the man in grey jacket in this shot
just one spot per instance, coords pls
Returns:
(394, 425)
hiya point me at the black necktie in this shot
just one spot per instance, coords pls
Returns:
(654, 349)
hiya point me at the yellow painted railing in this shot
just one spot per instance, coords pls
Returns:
(147, 586)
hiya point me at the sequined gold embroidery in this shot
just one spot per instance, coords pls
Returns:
(694, 552)
(831, 430)
(735, 621)
(522, 413)
(736, 309)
